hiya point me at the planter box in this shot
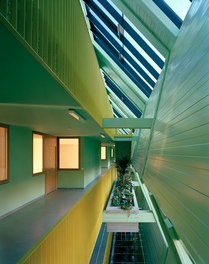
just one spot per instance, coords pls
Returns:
(124, 217)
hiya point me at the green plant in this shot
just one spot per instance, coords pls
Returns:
(122, 164)
(122, 193)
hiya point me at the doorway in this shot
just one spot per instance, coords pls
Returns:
(50, 163)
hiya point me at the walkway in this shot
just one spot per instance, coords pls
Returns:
(25, 227)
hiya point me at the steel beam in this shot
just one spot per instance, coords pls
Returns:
(143, 123)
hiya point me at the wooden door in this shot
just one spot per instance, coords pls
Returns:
(50, 163)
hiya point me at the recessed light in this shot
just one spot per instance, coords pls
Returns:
(76, 115)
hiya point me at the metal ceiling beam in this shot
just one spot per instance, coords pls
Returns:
(132, 33)
(125, 67)
(120, 107)
(143, 123)
(169, 12)
(132, 10)
(126, 85)
(107, 21)
(123, 98)
(122, 51)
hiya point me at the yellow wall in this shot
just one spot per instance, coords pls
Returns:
(72, 240)
(55, 32)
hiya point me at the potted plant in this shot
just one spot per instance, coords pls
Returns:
(122, 165)
(122, 192)
(122, 199)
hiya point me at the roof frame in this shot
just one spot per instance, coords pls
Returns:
(169, 12)
(136, 61)
(122, 96)
(103, 38)
(125, 67)
(125, 41)
(132, 33)
(100, 31)
(120, 106)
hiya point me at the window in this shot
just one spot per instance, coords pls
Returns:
(68, 153)
(3, 154)
(112, 152)
(37, 153)
(103, 153)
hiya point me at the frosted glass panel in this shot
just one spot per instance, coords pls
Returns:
(37, 153)
(103, 153)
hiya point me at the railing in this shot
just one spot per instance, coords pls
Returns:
(72, 240)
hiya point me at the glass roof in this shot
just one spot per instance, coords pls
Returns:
(175, 10)
(179, 7)
(119, 41)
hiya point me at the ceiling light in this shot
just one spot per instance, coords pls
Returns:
(102, 135)
(76, 115)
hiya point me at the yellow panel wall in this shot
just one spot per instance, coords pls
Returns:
(72, 240)
(55, 32)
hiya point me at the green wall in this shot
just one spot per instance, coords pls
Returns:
(22, 187)
(177, 165)
(70, 179)
(91, 160)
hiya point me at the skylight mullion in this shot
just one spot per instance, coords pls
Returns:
(140, 58)
(115, 106)
(121, 95)
(107, 35)
(144, 80)
(137, 80)
(110, 50)
(180, 8)
(92, 5)
(143, 44)
(141, 65)
(118, 47)
(124, 66)
(132, 32)
(103, 17)
(116, 113)
(106, 20)
(136, 66)
(111, 10)
(169, 12)
(121, 106)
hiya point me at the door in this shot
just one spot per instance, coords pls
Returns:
(50, 163)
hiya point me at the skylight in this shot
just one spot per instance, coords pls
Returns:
(174, 10)
(129, 53)
(179, 7)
